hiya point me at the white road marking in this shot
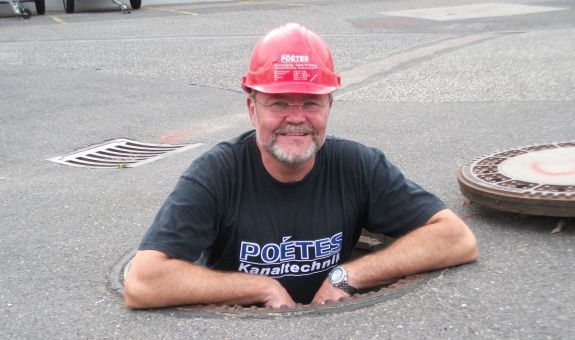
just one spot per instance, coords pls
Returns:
(487, 10)
(363, 72)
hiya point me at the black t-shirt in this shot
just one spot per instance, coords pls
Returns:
(229, 210)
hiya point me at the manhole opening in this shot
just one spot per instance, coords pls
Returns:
(533, 180)
(120, 153)
(368, 242)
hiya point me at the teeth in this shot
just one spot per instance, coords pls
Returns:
(295, 134)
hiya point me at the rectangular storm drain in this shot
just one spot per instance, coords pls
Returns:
(120, 153)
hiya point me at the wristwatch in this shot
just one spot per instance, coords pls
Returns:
(338, 278)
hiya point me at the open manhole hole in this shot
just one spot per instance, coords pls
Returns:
(368, 242)
(120, 153)
(533, 180)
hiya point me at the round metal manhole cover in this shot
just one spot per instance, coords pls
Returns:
(365, 245)
(533, 180)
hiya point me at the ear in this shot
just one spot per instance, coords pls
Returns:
(250, 103)
(330, 105)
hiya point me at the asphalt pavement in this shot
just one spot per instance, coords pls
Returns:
(435, 89)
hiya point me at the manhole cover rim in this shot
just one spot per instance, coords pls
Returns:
(482, 182)
(358, 301)
(466, 171)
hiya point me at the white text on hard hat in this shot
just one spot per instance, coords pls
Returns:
(292, 58)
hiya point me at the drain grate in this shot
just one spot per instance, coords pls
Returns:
(120, 153)
(534, 180)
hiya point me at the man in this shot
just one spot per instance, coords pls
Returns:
(263, 219)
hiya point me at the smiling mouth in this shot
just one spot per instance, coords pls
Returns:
(294, 134)
(294, 131)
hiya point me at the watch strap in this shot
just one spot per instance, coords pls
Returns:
(346, 287)
(343, 284)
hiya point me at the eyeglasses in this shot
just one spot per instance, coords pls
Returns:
(282, 106)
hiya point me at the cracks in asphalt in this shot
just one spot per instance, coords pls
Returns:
(198, 36)
(214, 87)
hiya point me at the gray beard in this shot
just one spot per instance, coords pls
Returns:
(283, 155)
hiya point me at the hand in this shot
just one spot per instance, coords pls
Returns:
(278, 296)
(327, 291)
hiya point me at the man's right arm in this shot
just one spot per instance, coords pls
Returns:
(156, 280)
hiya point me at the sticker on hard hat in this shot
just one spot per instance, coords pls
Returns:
(293, 67)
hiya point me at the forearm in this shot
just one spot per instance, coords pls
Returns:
(444, 241)
(167, 282)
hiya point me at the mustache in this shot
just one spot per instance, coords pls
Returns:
(307, 128)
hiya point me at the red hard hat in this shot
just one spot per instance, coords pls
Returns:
(291, 59)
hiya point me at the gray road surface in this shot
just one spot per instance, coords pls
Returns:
(433, 94)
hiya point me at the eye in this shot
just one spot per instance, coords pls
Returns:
(311, 106)
(279, 106)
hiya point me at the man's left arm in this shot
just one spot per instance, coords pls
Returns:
(444, 241)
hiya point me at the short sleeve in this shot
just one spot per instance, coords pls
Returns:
(396, 204)
(185, 224)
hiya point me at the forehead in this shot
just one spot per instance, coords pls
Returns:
(291, 96)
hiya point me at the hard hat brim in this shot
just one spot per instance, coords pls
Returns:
(298, 87)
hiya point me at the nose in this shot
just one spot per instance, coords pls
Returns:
(296, 115)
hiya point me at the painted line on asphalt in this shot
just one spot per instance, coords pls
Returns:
(363, 72)
(57, 19)
(173, 10)
(253, 2)
(184, 12)
(201, 129)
